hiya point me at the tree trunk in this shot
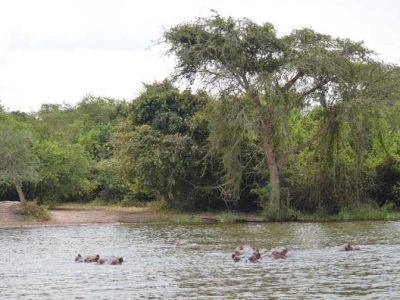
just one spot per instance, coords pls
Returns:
(274, 194)
(20, 192)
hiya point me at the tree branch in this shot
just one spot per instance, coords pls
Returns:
(309, 142)
(291, 82)
(313, 89)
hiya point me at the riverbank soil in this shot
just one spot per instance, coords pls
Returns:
(73, 216)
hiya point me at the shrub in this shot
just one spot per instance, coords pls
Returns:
(227, 217)
(369, 211)
(31, 208)
(158, 205)
(283, 214)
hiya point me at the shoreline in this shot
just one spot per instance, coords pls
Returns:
(76, 216)
(81, 215)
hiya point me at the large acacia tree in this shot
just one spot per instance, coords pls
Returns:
(274, 76)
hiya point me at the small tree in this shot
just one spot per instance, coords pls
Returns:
(17, 161)
(272, 77)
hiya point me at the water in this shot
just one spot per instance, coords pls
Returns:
(38, 263)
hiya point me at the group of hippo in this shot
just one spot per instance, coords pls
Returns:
(108, 260)
(252, 254)
(246, 254)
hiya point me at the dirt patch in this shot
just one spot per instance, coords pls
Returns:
(6, 212)
(85, 216)
(73, 216)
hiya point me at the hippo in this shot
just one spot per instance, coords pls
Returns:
(112, 260)
(277, 253)
(246, 254)
(349, 247)
(79, 258)
(236, 256)
(181, 242)
(90, 259)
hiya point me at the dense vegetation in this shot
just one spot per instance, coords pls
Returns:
(299, 122)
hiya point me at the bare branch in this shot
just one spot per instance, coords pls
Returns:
(291, 82)
(313, 89)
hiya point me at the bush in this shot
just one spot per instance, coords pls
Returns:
(158, 205)
(227, 217)
(103, 202)
(368, 211)
(132, 202)
(31, 208)
(283, 214)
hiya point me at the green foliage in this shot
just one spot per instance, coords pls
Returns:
(227, 217)
(368, 211)
(318, 113)
(109, 184)
(137, 199)
(386, 182)
(103, 202)
(18, 163)
(131, 202)
(183, 219)
(17, 159)
(350, 163)
(283, 214)
(235, 141)
(266, 79)
(157, 205)
(165, 155)
(32, 209)
(227, 43)
(65, 170)
(98, 110)
(96, 142)
(86, 130)
(166, 109)
(92, 117)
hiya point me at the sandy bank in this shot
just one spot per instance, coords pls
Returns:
(73, 216)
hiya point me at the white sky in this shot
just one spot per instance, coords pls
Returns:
(55, 51)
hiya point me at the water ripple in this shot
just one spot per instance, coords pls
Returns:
(38, 262)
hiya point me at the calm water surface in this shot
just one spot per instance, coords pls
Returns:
(38, 263)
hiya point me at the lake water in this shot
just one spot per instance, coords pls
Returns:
(38, 263)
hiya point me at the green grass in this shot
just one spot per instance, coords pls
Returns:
(227, 217)
(159, 219)
(101, 202)
(282, 215)
(157, 205)
(365, 212)
(162, 215)
(368, 212)
(187, 219)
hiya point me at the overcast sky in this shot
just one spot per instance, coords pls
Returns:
(55, 51)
